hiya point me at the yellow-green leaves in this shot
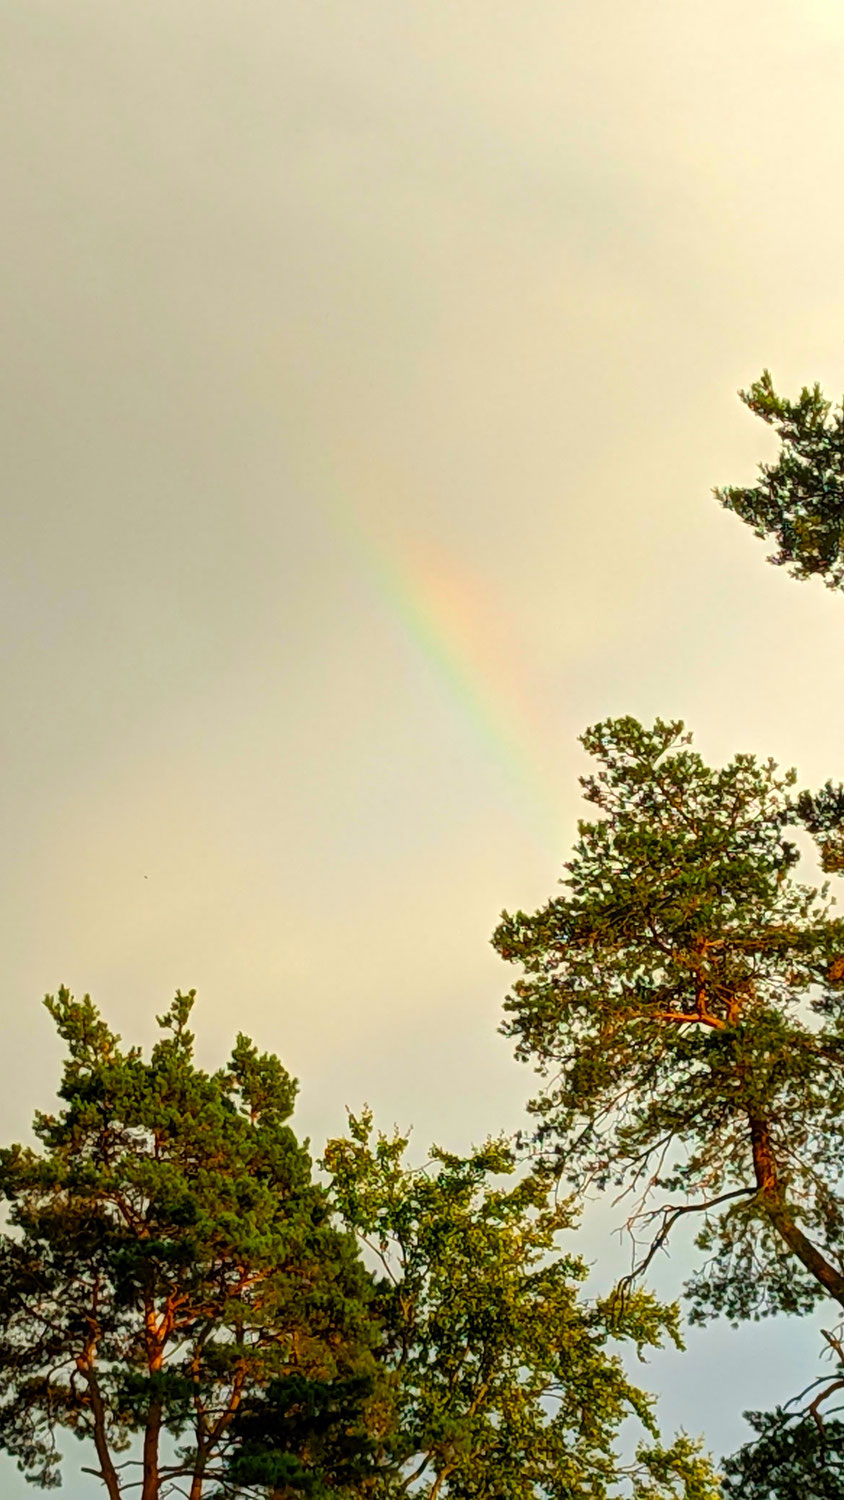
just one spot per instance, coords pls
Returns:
(507, 1382)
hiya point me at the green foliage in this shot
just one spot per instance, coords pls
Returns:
(792, 1458)
(505, 1383)
(823, 814)
(683, 1004)
(168, 1258)
(336, 1438)
(799, 500)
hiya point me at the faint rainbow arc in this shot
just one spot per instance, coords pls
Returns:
(486, 702)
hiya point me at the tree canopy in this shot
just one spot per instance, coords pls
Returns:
(168, 1261)
(684, 1005)
(792, 1457)
(181, 1295)
(798, 502)
(508, 1381)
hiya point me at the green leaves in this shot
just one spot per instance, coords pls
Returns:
(506, 1381)
(799, 500)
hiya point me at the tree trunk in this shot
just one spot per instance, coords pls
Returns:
(770, 1193)
(207, 1442)
(197, 1478)
(152, 1437)
(107, 1469)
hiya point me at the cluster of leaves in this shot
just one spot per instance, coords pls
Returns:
(507, 1381)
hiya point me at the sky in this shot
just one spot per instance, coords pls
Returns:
(367, 371)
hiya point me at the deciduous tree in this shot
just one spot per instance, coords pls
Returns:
(508, 1383)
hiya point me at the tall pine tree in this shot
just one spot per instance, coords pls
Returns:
(798, 502)
(683, 1001)
(169, 1260)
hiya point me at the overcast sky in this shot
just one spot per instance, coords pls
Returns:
(367, 369)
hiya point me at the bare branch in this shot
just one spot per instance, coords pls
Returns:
(670, 1214)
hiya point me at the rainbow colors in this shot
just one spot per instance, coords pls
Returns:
(442, 609)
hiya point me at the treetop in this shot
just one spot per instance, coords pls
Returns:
(798, 502)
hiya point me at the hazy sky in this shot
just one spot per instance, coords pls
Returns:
(367, 368)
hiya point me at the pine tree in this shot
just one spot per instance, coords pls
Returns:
(683, 1002)
(792, 1457)
(168, 1258)
(799, 500)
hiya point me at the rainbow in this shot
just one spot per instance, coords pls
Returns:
(441, 610)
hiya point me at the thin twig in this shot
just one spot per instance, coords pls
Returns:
(670, 1216)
